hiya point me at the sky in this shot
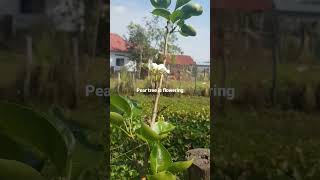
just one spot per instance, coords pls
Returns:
(122, 12)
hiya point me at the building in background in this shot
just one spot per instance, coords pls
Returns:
(119, 54)
(66, 15)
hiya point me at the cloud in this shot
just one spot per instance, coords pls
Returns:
(118, 9)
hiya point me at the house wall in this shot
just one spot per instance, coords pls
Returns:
(53, 11)
(9, 7)
(114, 56)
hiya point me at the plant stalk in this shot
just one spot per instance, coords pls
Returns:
(165, 52)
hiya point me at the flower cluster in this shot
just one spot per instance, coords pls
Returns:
(158, 68)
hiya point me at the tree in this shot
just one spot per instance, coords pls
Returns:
(139, 44)
(157, 34)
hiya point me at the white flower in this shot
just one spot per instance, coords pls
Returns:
(158, 68)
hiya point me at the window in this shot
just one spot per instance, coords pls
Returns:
(32, 6)
(119, 62)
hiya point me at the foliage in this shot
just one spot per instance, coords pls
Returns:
(41, 141)
(266, 144)
(154, 132)
(139, 43)
(190, 114)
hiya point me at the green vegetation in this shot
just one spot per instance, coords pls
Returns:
(189, 115)
(34, 143)
(266, 144)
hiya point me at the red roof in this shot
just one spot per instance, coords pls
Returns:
(182, 60)
(117, 43)
(245, 5)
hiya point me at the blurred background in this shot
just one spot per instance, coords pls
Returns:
(268, 51)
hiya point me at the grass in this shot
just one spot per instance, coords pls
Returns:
(266, 137)
(171, 83)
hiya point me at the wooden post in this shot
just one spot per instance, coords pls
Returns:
(119, 82)
(76, 70)
(28, 68)
(195, 79)
(200, 169)
(275, 57)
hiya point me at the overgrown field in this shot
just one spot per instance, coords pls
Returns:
(266, 144)
(190, 115)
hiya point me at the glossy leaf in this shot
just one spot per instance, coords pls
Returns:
(116, 119)
(120, 104)
(57, 118)
(162, 176)
(160, 158)
(162, 12)
(162, 127)
(85, 158)
(176, 15)
(160, 3)
(32, 129)
(14, 170)
(192, 9)
(177, 167)
(188, 30)
(147, 134)
(181, 3)
(11, 149)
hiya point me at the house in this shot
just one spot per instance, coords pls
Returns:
(119, 54)
(177, 64)
(237, 17)
(66, 15)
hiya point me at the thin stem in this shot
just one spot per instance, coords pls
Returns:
(126, 132)
(124, 154)
(155, 108)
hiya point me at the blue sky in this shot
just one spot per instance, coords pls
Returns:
(123, 12)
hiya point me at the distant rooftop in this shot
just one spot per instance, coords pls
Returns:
(117, 43)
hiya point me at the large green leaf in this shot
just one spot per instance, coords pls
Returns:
(14, 170)
(187, 30)
(162, 176)
(11, 149)
(162, 127)
(181, 166)
(181, 3)
(57, 118)
(120, 104)
(85, 159)
(160, 158)
(162, 12)
(32, 129)
(176, 15)
(160, 3)
(147, 134)
(116, 119)
(192, 9)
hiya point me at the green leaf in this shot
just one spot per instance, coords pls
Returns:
(162, 127)
(160, 158)
(160, 3)
(176, 15)
(11, 149)
(192, 9)
(116, 118)
(120, 104)
(178, 167)
(187, 30)
(181, 3)
(162, 176)
(85, 159)
(14, 170)
(147, 134)
(57, 118)
(162, 12)
(32, 129)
